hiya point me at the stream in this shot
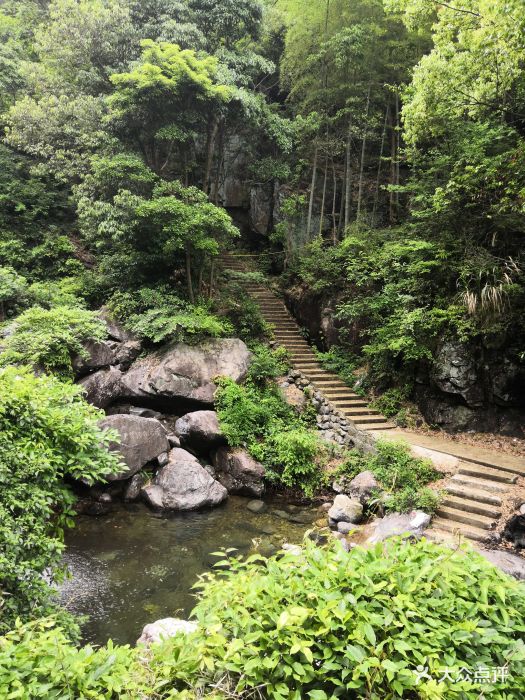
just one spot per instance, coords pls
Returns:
(133, 566)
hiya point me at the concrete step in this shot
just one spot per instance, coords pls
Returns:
(460, 516)
(488, 473)
(471, 506)
(350, 403)
(373, 426)
(366, 419)
(473, 494)
(479, 484)
(449, 528)
(360, 411)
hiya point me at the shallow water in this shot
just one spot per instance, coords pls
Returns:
(131, 567)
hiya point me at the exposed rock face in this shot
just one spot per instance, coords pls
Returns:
(186, 372)
(115, 330)
(183, 484)
(134, 487)
(103, 387)
(200, 431)
(409, 525)
(345, 510)
(238, 472)
(454, 372)
(99, 354)
(141, 441)
(515, 530)
(509, 563)
(163, 629)
(360, 488)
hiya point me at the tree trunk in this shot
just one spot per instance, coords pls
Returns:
(363, 152)
(210, 148)
(379, 166)
(321, 220)
(348, 175)
(334, 203)
(312, 193)
(189, 282)
(398, 144)
(212, 281)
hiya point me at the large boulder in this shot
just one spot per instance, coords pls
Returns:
(183, 484)
(141, 441)
(104, 387)
(239, 472)
(408, 525)
(186, 372)
(200, 431)
(115, 330)
(98, 354)
(163, 629)
(347, 510)
(362, 487)
(455, 372)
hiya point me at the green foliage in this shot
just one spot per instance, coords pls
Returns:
(256, 416)
(48, 339)
(159, 315)
(341, 362)
(48, 433)
(331, 624)
(267, 364)
(37, 660)
(391, 401)
(403, 476)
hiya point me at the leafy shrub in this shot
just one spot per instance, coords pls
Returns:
(330, 624)
(341, 362)
(13, 292)
(403, 476)
(47, 433)
(159, 315)
(390, 402)
(267, 364)
(243, 312)
(256, 416)
(49, 338)
(38, 661)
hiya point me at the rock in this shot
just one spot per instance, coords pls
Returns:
(99, 353)
(134, 487)
(103, 387)
(522, 509)
(303, 517)
(153, 496)
(293, 549)
(407, 524)
(115, 330)
(454, 372)
(443, 463)
(346, 509)
(239, 472)
(257, 506)
(186, 373)
(325, 506)
(200, 431)
(144, 412)
(184, 485)
(163, 459)
(344, 528)
(360, 487)
(281, 514)
(141, 441)
(163, 629)
(174, 440)
(515, 530)
(295, 398)
(511, 564)
(126, 353)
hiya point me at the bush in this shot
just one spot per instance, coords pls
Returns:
(48, 338)
(365, 624)
(403, 476)
(390, 402)
(256, 416)
(159, 315)
(38, 661)
(47, 433)
(267, 364)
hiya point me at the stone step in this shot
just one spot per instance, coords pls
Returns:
(367, 419)
(471, 506)
(473, 494)
(468, 531)
(478, 484)
(460, 516)
(351, 403)
(361, 411)
(471, 469)
(373, 426)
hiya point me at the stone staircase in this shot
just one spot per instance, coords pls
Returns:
(482, 481)
(288, 335)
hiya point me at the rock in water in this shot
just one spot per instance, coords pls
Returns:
(186, 372)
(346, 509)
(141, 441)
(200, 431)
(163, 629)
(239, 472)
(183, 484)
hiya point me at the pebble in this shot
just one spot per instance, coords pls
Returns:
(256, 506)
